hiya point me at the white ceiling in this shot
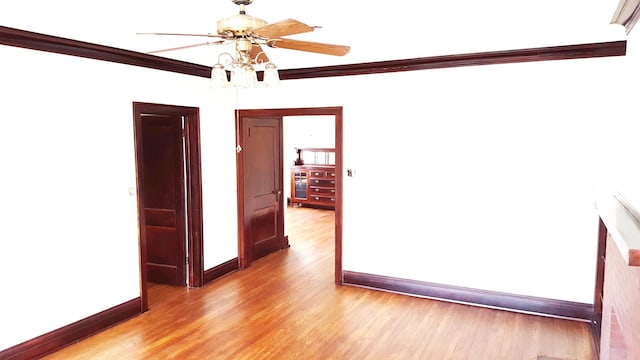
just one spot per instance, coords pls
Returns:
(375, 30)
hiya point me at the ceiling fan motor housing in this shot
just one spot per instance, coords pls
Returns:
(239, 25)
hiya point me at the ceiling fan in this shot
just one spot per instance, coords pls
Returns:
(250, 33)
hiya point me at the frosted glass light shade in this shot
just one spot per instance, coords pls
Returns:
(239, 77)
(219, 77)
(251, 76)
(271, 76)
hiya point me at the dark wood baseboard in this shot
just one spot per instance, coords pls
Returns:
(72, 333)
(485, 298)
(221, 270)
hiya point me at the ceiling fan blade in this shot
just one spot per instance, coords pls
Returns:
(186, 47)
(258, 54)
(282, 28)
(320, 48)
(177, 34)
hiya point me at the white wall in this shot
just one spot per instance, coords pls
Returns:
(219, 196)
(624, 174)
(69, 226)
(484, 176)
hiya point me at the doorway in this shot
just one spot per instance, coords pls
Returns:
(169, 187)
(245, 221)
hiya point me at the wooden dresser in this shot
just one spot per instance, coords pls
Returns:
(313, 185)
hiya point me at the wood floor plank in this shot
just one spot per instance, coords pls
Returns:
(287, 306)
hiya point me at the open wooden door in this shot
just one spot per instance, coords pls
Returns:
(260, 173)
(163, 182)
(169, 183)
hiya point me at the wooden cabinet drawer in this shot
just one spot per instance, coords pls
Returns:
(323, 174)
(322, 182)
(323, 199)
(322, 191)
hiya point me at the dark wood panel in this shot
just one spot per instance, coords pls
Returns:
(163, 241)
(493, 299)
(160, 217)
(64, 336)
(162, 152)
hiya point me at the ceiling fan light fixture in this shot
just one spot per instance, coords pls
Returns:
(243, 74)
(219, 77)
(238, 77)
(271, 77)
(251, 77)
(248, 34)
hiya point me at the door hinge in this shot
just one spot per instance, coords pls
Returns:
(186, 260)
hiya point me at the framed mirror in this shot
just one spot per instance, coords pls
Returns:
(316, 156)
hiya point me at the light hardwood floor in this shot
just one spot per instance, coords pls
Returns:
(286, 306)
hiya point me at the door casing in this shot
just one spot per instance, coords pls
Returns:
(193, 182)
(271, 113)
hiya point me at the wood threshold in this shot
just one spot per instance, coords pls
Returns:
(37, 41)
(74, 332)
(484, 298)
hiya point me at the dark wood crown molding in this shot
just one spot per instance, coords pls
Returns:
(49, 43)
(36, 41)
(565, 52)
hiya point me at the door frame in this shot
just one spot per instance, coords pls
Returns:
(193, 184)
(280, 113)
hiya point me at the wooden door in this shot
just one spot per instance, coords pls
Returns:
(263, 218)
(163, 182)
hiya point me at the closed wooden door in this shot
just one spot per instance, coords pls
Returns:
(163, 182)
(262, 177)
